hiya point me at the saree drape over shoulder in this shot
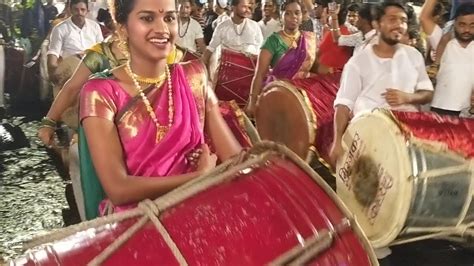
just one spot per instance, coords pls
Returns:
(291, 62)
(143, 155)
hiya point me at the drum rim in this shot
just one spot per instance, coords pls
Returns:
(383, 238)
(305, 104)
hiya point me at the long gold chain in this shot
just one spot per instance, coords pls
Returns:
(160, 129)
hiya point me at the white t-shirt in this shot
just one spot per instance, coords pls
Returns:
(270, 27)
(455, 79)
(68, 39)
(190, 31)
(366, 76)
(245, 37)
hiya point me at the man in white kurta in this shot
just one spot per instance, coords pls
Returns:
(268, 24)
(455, 78)
(238, 33)
(387, 74)
(72, 36)
(190, 34)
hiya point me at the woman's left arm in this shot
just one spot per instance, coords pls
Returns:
(222, 138)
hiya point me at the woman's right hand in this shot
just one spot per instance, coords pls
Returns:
(207, 160)
(46, 135)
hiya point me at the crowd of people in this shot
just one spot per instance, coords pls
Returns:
(145, 117)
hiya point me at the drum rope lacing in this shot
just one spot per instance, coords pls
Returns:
(149, 209)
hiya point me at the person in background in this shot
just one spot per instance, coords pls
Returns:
(197, 13)
(455, 79)
(318, 13)
(366, 34)
(289, 53)
(50, 13)
(210, 16)
(220, 8)
(190, 35)
(352, 17)
(106, 23)
(72, 36)
(239, 33)
(268, 24)
(333, 57)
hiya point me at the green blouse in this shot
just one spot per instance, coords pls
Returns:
(276, 46)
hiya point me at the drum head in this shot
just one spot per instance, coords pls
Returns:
(374, 176)
(282, 115)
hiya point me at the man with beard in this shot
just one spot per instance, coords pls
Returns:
(238, 33)
(268, 24)
(72, 36)
(455, 79)
(190, 34)
(387, 74)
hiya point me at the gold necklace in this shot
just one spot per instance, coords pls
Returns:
(144, 80)
(292, 38)
(160, 129)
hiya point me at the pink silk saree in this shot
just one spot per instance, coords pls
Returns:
(143, 155)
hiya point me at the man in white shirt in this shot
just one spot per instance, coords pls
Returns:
(387, 74)
(190, 34)
(352, 17)
(238, 33)
(367, 34)
(268, 24)
(220, 7)
(455, 79)
(72, 36)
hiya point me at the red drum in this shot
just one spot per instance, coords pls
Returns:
(299, 114)
(409, 176)
(184, 55)
(253, 213)
(239, 123)
(234, 75)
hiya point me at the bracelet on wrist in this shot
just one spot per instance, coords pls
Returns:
(48, 122)
(336, 29)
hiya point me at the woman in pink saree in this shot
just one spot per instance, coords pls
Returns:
(145, 122)
(290, 53)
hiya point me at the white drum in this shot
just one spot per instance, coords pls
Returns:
(402, 187)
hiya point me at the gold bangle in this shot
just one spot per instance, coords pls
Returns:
(337, 29)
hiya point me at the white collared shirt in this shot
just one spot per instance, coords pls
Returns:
(68, 39)
(192, 31)
(270, 27)
(358, 41)
(455, 79)
(366, 76)
(245, 37)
